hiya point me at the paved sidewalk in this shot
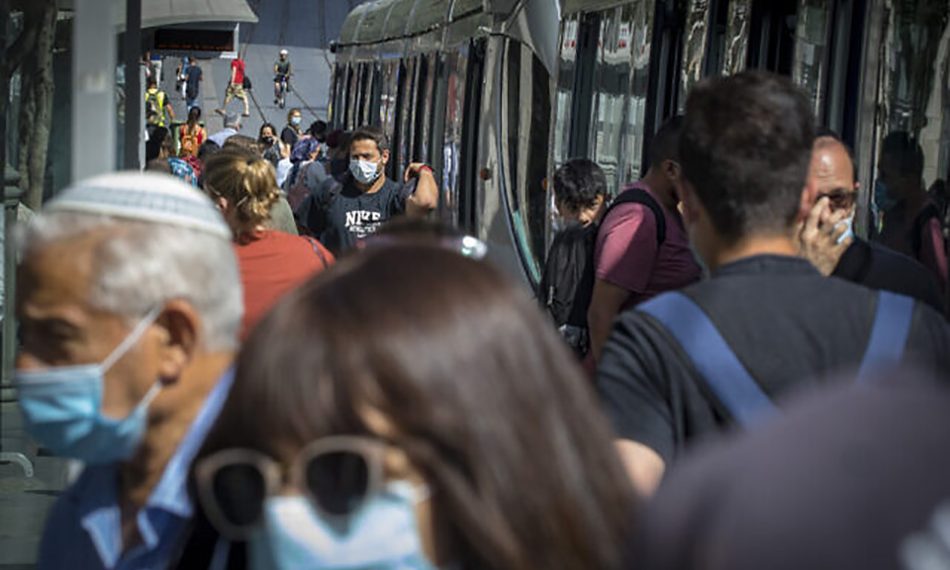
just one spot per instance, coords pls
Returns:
(24, 502)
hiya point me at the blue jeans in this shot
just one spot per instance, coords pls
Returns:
(189, 103)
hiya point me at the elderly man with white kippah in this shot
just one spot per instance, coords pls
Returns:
(129, 312)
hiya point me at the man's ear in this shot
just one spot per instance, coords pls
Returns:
(180, 326)
(385, 156)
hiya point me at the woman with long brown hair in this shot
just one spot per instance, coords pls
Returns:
(410, 409)
(244, 186)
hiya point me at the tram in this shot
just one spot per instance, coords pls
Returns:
(497, 94)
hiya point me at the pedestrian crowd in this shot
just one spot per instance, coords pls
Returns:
(266, 356)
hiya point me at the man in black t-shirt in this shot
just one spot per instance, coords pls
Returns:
(828, 241)
(766, 318)
(345, 210)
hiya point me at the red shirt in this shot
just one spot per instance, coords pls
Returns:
(237, 66)
(627, 256)
(271, 265)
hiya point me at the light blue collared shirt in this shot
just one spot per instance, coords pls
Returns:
(84, 529)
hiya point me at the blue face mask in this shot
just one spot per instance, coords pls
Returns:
(61, 406)
(383, 535)
(849, 231)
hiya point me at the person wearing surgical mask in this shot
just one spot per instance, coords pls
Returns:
(292, 132)
(129, 309)
(473, 442)
(826, 237)
(344, 211)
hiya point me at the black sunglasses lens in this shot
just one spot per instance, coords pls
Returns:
(239, 491)
(338, 481)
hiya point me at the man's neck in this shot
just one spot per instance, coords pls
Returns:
(661, 188)
(752, 246)
(167, 428)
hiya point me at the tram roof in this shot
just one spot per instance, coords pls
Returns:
(388, 19)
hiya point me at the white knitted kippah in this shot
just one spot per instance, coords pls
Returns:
(143, 196)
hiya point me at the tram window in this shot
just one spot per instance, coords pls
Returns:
(526, 125)
(716, 41)
(375, 96)
(423, 108)
(771, 35)
(810, 66)
(388, 87)
(404, 112)
(362, 113)
(914, 102)
(351, 97)
(621, 85)
(472, 110)
(336, 89)
(398, 113)
(565, 88)
(456, 63)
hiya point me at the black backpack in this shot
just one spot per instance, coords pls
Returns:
(567, 282)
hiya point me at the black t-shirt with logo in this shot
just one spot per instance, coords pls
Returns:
(340, 214)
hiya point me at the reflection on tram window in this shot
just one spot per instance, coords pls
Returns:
(737, 37)
(565, 88)
(811, 46)
(913, 133)
(456, 64)
(526, 126)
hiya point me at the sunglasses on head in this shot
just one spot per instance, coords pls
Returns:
(337, 474)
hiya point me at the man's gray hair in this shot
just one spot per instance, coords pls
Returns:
(143, 264)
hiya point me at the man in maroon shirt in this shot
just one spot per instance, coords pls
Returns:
(631, 265)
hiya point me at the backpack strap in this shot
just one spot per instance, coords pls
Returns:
(637, 195)
(729, 380)
(888, 334)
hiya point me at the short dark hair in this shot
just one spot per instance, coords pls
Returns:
(369, 133)
(826, 133)
(665, 143)
(318, 130)
(905, 152)
(578, 183)
(746, 147)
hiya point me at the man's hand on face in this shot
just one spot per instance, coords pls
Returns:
(819, 236)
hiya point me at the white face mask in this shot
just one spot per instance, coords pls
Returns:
(849, 232)
(364, 171)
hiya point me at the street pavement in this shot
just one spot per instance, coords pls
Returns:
(24, 501)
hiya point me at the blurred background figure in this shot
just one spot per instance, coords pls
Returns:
(827, 238)
(848, 477)
(244, 187)
(129, 317)
(375, 448)
(292, 130)
(191, 135)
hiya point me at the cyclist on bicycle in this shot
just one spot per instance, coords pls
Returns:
(282, 73)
